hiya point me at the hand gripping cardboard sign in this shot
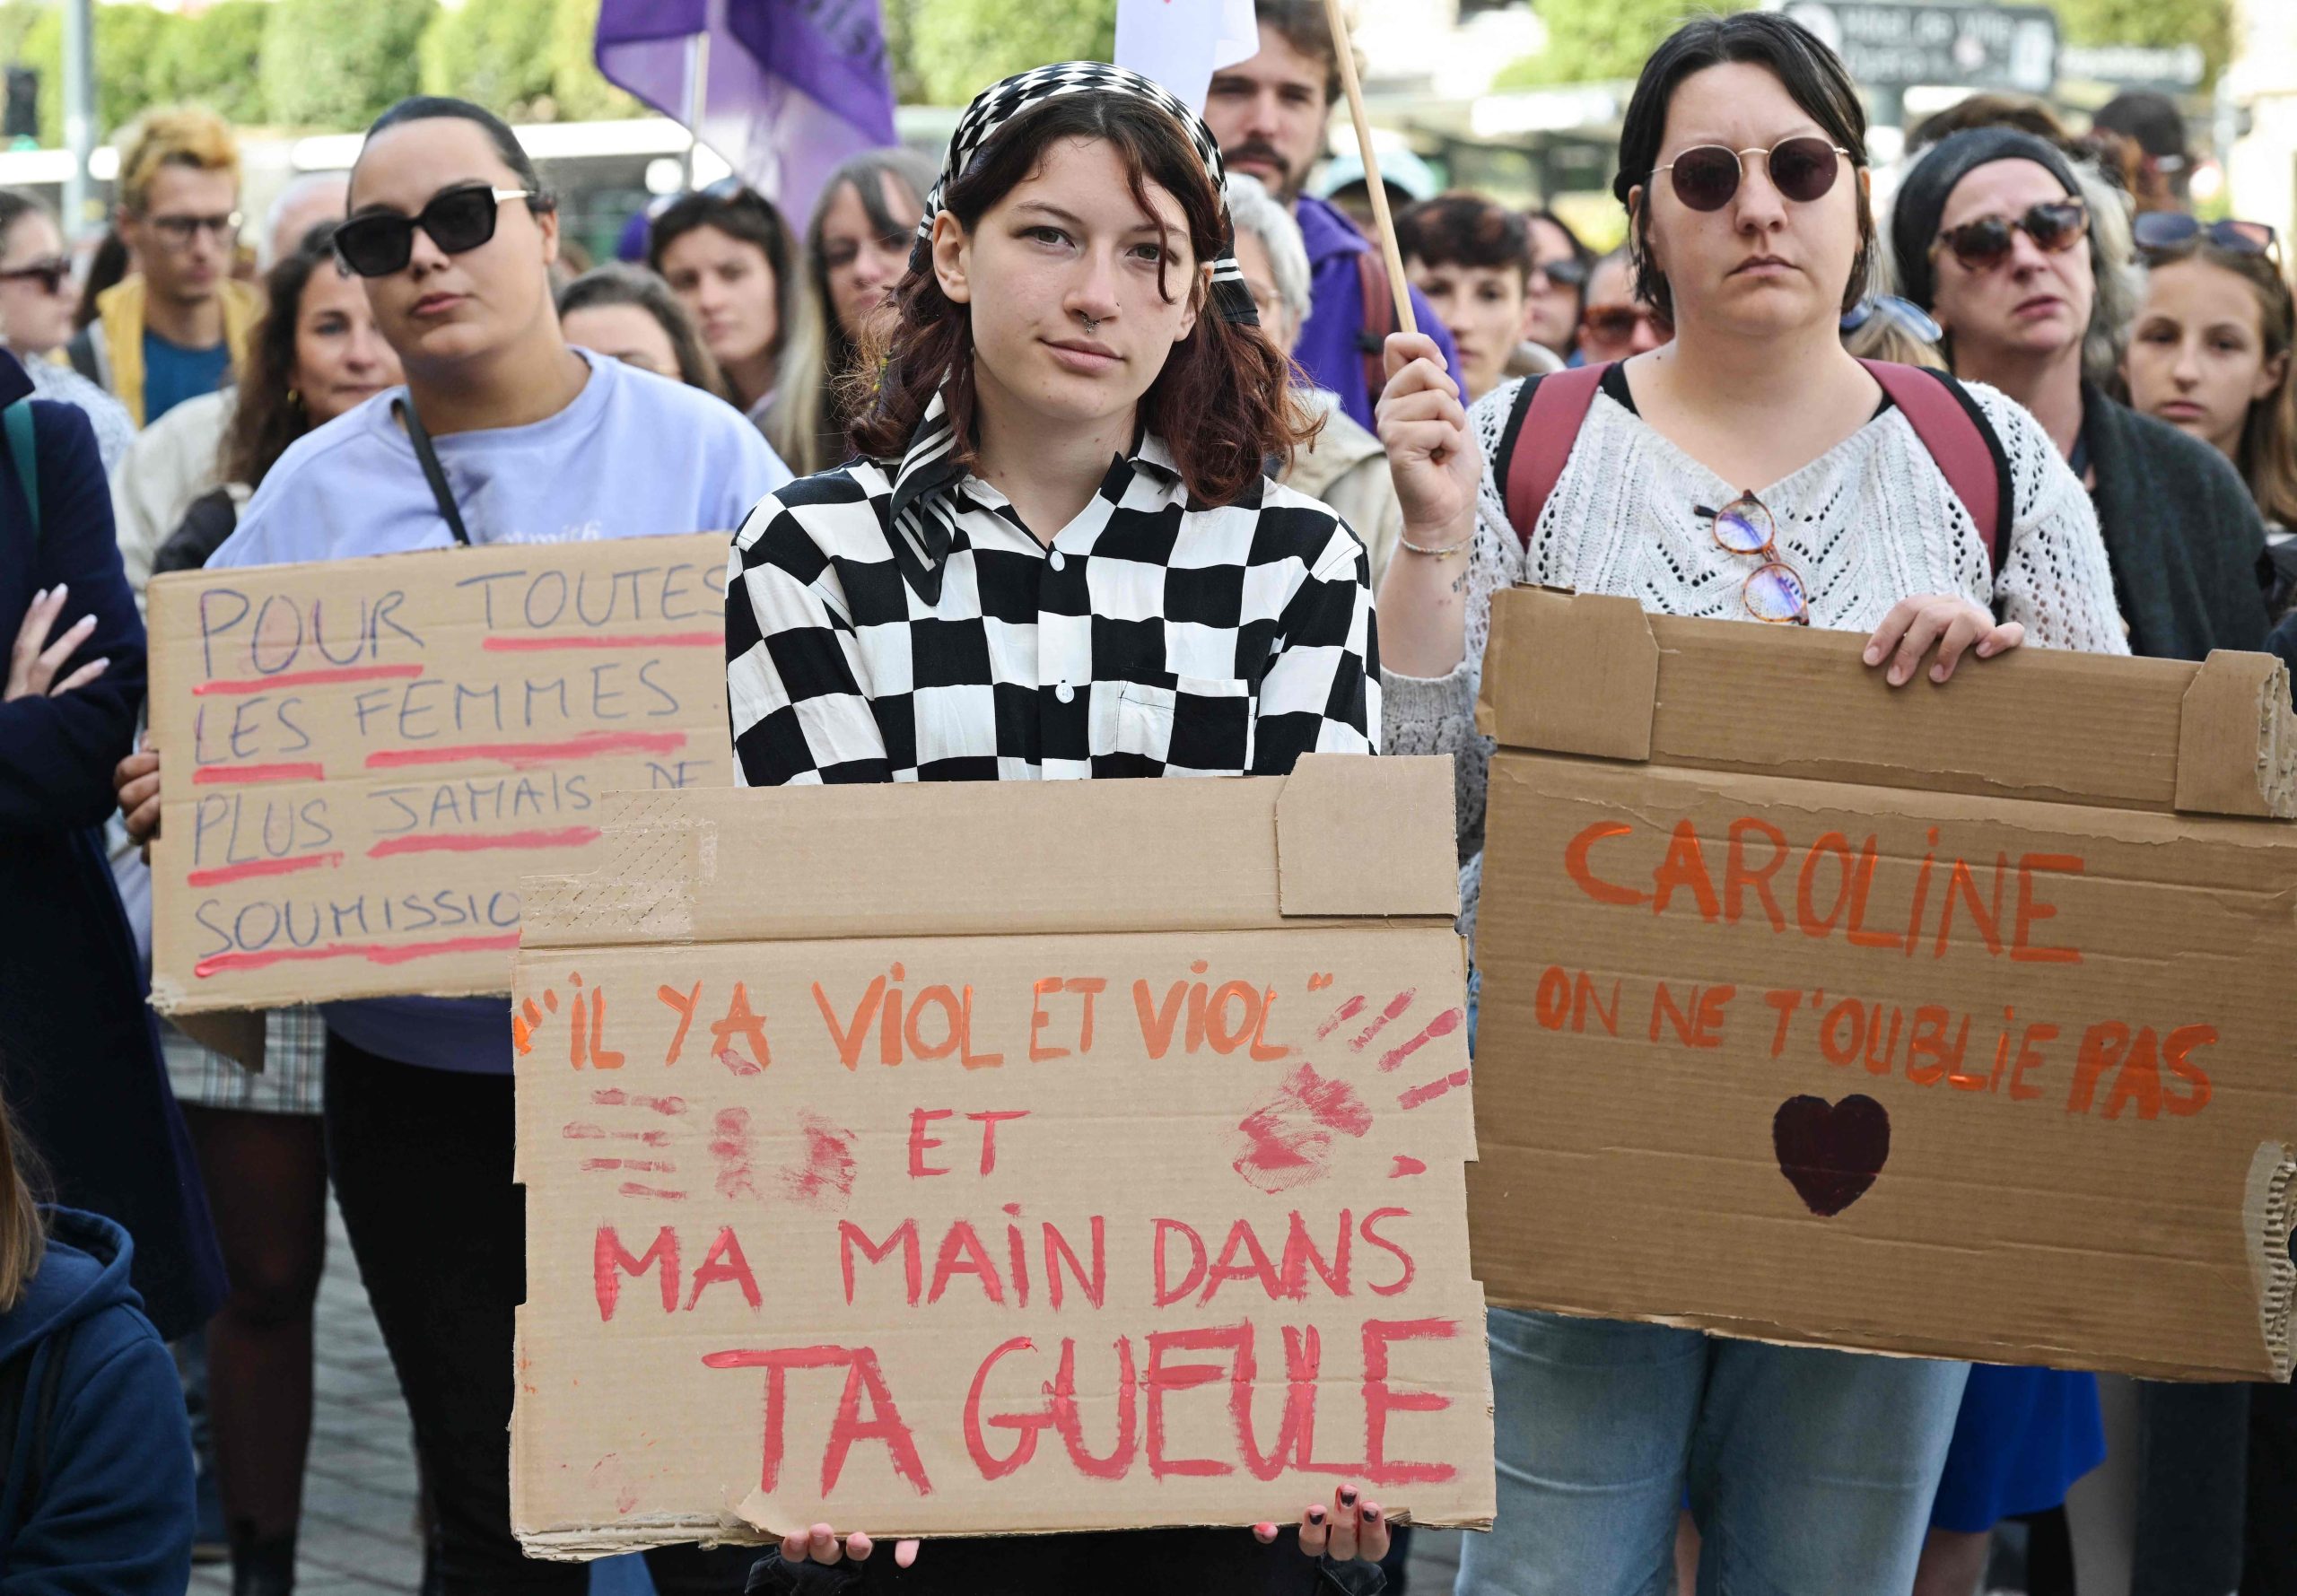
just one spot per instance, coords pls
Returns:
(966, 1158)
(1949, 1020)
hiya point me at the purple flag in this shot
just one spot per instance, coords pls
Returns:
(792, 87)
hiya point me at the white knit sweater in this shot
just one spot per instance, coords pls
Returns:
(1869, 522)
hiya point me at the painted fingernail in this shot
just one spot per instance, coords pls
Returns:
(1370, 1512)
(1347, 1495)
(1315, 1515)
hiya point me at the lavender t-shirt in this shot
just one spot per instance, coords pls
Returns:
(634, 454)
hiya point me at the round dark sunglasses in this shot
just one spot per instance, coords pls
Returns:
(377, 243)
(2167, 229)
(1707, 176)
(2054, 226)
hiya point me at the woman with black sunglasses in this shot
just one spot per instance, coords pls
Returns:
(37, 298)
(1997, 237)
(1741, 164)
(527, 441)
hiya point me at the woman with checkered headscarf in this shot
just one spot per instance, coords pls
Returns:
(1059, 556)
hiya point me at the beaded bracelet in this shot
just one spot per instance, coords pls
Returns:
(1445, 552)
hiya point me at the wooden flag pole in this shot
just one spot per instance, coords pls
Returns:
(1381, 220)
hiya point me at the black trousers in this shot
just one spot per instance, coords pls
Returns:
(2192, 1489)
(419, 1156)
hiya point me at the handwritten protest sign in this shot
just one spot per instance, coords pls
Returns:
(1104, 1170)
(1937, 1021)
(363, 756)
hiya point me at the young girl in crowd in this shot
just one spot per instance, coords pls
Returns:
(37, 297)
(1472, 258)
(1742, 166)
(535, 441)
(1560, 265)
(315, 354)
(95, 1452)
(725, 253)
(1076, 414)
(856, 248)
(2209, 353)
(630, 314)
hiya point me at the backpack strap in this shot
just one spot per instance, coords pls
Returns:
(1960, 439)
(23, 448)
(1545, 424)
(1378, 320)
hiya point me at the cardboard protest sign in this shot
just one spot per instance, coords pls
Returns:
(360, 757)
(962, 1158)
(1929, 1020)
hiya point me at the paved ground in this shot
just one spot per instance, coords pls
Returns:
(358, 1535)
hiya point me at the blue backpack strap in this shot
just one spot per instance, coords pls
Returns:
(23, 448)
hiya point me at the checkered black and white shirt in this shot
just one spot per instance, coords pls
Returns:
(1155, 637)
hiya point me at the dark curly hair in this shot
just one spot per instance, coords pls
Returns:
(1222, 402)
(268, 416)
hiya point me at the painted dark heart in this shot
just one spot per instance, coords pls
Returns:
(1831, 1153)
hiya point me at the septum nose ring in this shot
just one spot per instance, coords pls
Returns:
(1092, 324)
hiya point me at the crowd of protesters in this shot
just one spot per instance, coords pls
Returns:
(1099, 314)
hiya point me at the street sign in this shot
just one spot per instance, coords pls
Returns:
(1898, 44)
(2135, 66)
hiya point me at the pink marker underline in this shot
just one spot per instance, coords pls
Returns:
(374, 952)
(519, 754)
(209, 775)
(311, 678)
(216, 875)
(572, 836)
(655, 640)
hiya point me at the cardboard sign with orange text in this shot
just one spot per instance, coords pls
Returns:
(1951, 1020)
(971, 1158)
(360, 757)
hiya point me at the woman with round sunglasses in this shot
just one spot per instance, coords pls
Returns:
(37, 298)
(533, 442)
(2209, 352)
(1997, 236)
(1741, 164)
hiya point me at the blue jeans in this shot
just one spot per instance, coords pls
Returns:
(1810, 1472)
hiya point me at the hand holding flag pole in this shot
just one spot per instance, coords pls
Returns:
(1378, 192)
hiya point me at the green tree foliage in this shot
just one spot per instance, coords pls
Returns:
(327, 63)
(1599, 40)
(131, 46)
(583, 95)
(2209, 23)
(216, 59)
(955, 49)
(525, 60)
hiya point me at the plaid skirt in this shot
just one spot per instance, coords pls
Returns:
(295, 1052)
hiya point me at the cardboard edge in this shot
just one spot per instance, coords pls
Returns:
(2266, 1216)
(1603, 642)
(1335, 808)
(2234, 738)
(237, 1033)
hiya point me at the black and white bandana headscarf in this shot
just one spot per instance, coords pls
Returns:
(921, 521)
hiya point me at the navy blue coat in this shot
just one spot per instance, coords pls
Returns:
(79, 1051)
(114, 1510)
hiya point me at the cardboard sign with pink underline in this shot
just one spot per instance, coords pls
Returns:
(361, 757)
